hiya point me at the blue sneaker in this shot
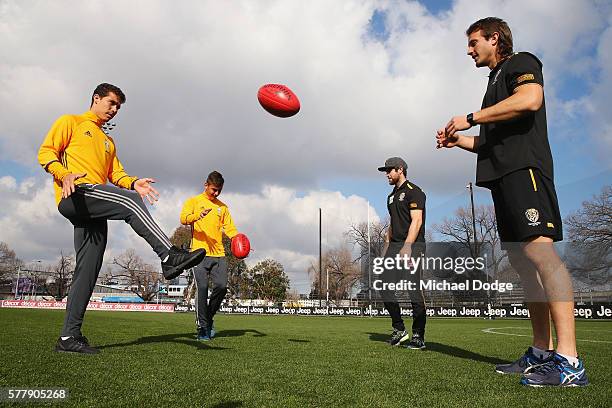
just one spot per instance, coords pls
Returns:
(524, 364)
(203, 334)
(212, 332)
(557, 373)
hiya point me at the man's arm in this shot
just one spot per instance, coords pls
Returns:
(413, 231)
(51, 151)
(526, 99)
(228, 224)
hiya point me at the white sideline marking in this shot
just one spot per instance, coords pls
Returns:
(491, 330)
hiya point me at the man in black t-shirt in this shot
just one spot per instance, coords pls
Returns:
(406, 238)
(515, 163)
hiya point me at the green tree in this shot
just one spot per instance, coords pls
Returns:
(267, 280)
(181, 237)
(236, 271)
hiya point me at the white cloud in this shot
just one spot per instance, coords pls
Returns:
(191, 70)
(280, 224)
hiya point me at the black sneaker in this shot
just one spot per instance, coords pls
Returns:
(417, 342)
(398, 336)
(524, 364)
(75, 344)
(179, 260)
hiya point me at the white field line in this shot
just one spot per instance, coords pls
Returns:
(492, 330)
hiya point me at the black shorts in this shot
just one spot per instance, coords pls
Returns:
(526, 206)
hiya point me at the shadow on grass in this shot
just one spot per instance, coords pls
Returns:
(238, 333)
(446, 349)
(228, 404)
(180, 338)
(298, 341)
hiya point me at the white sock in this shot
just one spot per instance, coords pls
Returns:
(65, 337)
(572, 360)
(541, 354)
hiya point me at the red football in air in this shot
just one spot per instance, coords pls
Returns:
(278, 100)
(241, 246)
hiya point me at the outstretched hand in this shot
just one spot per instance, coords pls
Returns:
(145, 189)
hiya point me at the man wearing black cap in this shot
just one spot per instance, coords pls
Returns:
(406, 237)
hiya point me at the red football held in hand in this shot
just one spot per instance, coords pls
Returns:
(278, 100)
(241, 246)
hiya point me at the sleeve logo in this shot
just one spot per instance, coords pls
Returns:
(413, 205)
(525, 77)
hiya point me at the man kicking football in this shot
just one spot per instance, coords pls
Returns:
(82, 159)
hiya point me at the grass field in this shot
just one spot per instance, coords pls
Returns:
(151, 359)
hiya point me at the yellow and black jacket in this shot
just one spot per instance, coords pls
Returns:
(77, 144)
(208, 231)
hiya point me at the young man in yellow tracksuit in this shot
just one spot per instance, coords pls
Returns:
(209, 218)
(82, 159)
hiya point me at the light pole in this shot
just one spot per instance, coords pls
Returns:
(369, 259)
(17, 283)
(327, 284)
(320, 255)
(470, 187)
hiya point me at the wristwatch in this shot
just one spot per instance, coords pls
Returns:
(470, 119)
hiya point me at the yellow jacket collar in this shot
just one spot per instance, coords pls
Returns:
(93, 117)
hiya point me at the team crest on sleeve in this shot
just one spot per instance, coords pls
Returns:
(525, 77)
(391, 199)
(107, 146)
(87, 133)
(533, 216)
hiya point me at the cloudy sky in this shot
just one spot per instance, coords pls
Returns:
(375, 79)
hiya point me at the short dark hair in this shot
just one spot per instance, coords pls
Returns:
(215, 178)
(490, 25)
(104, 89)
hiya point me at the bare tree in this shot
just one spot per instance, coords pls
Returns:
(460, 229)
(142, 277)
(343, 273)
(60, 277)
(358, 235)
(588, 256)
(593, 222)
(9, 263)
